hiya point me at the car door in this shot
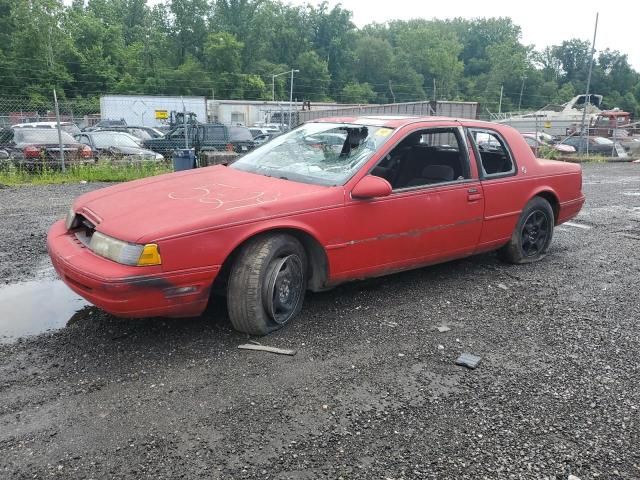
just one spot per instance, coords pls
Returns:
(504, 191)
(433, 214)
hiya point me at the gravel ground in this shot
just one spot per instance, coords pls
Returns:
(373, 391)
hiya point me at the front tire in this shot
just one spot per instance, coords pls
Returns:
(532, 236)
(267, 284)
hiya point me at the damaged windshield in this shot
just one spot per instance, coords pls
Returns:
(318, 153)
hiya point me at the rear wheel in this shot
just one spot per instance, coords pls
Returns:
(532, 236)
(267, 284)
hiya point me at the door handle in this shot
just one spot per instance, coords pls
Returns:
(473, 195)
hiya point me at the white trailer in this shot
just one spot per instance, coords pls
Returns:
(150, 110)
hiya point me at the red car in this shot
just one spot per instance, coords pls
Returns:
(296, 215)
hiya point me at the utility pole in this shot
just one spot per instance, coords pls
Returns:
(184, 123)
(55, 101)
(291, 97)
(587, 98)
(273, 88)
(500, 104)
(435, 97)
(524, 77)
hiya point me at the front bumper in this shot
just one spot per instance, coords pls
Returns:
(127, 291)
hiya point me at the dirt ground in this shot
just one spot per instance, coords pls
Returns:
(373, 391)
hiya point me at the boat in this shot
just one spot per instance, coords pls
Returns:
(556, 120)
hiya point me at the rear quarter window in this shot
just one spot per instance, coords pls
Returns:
(240, 134)
(495, 157)
(215, 133)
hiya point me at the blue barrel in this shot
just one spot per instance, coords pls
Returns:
(184, 159)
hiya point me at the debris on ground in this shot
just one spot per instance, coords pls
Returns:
(468, 360)
(443, 328)
(265, 348)
(503, 286)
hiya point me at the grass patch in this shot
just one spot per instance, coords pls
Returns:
(103, 171)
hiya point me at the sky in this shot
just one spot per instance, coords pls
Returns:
(543, 22)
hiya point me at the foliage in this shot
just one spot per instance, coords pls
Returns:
(103, 171)
(231, 48)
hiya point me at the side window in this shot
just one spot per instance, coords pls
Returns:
(215, 133)
(495, 157)
(425, 157)
(84, 139)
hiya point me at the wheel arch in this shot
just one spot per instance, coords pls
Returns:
(318, 261)
(551, 197)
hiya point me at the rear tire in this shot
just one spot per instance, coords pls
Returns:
(532, 236)
(267, 284)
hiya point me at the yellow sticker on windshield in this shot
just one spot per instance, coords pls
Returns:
(384, 132)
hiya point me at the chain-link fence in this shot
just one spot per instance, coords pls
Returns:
(42, 132)
(50, 133)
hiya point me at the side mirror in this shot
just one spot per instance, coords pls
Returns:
(371, 186)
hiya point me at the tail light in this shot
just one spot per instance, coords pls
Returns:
(229, 147)
(31, 152)
(85, 152)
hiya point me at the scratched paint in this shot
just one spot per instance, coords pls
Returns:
(409, 233)
(30, 308)
(226, 197)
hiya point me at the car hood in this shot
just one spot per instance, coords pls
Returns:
(179, 203)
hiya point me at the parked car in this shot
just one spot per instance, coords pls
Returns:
(140, 132)
(544, 137)
(256, 132)
(265, 130)
(69, 127)
(403, 193)
(536, 144)
(597, 146)
(204, 137)
(35, 147)
(260, 139)
(116, 144)
(105, 124)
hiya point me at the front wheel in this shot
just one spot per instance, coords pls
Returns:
(532, 236)
(267, 284)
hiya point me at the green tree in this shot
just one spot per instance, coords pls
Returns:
(189, 26)
(373, 64)
(357, 93)
(312, 82)
(433, 51)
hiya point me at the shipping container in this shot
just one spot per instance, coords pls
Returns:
(148, 110)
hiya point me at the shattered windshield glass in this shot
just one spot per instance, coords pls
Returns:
(317, 153)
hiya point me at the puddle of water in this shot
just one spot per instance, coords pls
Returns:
(29, 308)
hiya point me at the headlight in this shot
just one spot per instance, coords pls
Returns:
(71, 221)
(124, 252)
